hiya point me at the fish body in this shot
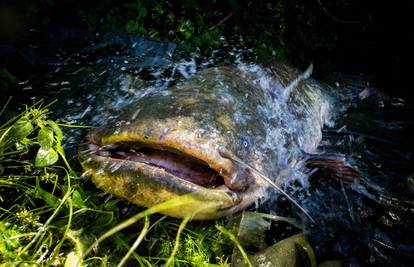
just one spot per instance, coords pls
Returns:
(190, 139)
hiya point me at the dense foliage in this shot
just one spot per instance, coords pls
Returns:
(352, 35)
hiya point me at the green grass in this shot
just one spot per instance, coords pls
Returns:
(50, 215)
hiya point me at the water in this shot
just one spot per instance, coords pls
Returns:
(94, 75)
(370, 219)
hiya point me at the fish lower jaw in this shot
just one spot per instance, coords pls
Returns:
(148, 186)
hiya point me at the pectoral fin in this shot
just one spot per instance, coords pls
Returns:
(331, 166)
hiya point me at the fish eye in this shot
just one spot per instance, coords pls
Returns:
(245, 141)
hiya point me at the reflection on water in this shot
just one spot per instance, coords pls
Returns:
(94, 75)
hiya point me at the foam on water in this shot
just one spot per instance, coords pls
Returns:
(283, 124)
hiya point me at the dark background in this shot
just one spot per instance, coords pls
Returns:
(351, 36)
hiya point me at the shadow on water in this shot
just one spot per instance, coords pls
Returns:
(95, 74)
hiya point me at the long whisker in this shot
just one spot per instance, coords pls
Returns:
(269, 181)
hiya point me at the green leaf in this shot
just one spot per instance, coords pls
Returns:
(77, 199)
(20, 146)
(47, 197)
(73, 259)
(132, 26)
(287, 252)
(110, 205)
(46, 157)
(60, 149)
(142, 11)
(9, 244)
(56, 130)
(45, 137)
(21, 128)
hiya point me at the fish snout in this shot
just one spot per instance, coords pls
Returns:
(240, 177)
(239, 181)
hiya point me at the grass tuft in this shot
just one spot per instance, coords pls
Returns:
(50, 215)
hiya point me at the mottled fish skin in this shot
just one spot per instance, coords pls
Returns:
(242, 111)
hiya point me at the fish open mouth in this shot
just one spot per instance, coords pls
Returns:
(172, 161)
(150, 173)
